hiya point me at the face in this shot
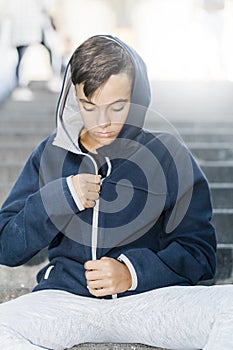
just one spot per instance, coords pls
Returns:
(105, 113)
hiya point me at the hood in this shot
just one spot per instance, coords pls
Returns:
(69, 121)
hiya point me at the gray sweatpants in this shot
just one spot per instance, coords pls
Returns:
(175, 318)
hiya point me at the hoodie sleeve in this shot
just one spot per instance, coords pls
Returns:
(187, 251)
(33, 214)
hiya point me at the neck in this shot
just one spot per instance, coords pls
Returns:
(84, 139)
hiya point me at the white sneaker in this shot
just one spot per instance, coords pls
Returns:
(22, 94)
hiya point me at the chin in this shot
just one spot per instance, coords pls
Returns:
(107, 142)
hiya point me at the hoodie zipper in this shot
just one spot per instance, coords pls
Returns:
(95, 217)
(94, 234)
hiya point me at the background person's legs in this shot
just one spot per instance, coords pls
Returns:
(21, 92)
(55, 60)
(21, 51)
(49, 320)
(175, 318)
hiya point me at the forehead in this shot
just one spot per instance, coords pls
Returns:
(115, 88)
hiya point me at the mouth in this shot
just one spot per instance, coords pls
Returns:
(105, 135)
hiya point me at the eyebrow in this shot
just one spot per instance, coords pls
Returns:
(93, 104)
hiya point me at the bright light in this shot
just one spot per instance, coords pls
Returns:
(181, 41)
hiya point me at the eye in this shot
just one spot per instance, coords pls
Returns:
(118, 108)
(88, 108)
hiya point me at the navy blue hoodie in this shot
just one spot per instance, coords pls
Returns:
(153, 214)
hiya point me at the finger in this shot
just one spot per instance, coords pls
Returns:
(93, 265)
(99, 284)
(92, 196)
(100, 292)
(93, 187)
(89, 203)
(93, 179)
(93, 275)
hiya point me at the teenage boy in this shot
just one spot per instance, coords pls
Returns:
(125, 214)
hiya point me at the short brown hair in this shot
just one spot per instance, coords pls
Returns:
(96, 60)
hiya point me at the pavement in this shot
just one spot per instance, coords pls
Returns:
(111, 346)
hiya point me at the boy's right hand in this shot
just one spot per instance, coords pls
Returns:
(87, 187)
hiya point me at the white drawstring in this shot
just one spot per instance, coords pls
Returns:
(96, 215)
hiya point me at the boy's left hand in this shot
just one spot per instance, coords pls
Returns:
(107, 276)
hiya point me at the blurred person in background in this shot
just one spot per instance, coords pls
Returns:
(30, 24)
(7, 58)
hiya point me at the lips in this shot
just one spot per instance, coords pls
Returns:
(105, 134)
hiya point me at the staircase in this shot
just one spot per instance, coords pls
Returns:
(202, 113)
(24, 124)
(212, 146)
(209, 136)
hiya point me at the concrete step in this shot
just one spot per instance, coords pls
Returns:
(43, 101)
(24, 138)
(203, 128)
(5, 188)
(212, 152)
(203, 150)
(37, 114)
(21, 276)
(204, 121)
(11, 150)
(10, 172)
(7, 293)
(224, 273)
(218, 171)
(113, 346)
(216, 137)
(223, 222)
(43, 105)
(25, 276)
(10, 153)
(222, 195)
(215, 171)
(20, 145)
(22, 126)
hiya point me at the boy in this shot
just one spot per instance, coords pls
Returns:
(126, 216)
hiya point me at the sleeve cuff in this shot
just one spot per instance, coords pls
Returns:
(132, 271)
(74, 193)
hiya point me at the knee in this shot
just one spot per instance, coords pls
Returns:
(7, 314)
(226, 298)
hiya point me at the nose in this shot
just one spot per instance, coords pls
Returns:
(103, 118)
